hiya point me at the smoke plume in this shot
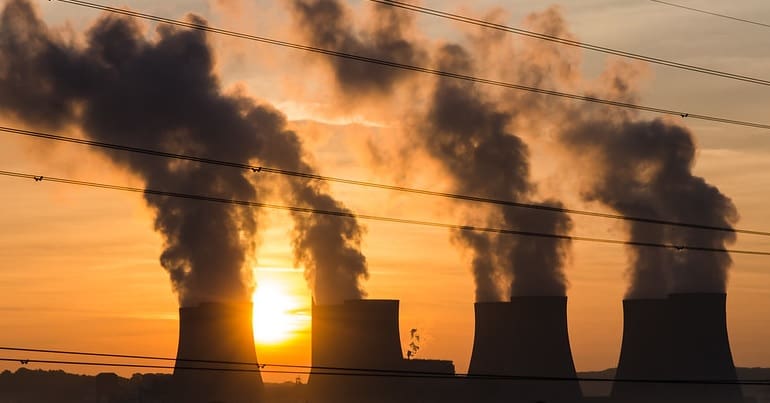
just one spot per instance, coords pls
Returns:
(163, 94)
(326, 23)
(638, 167)
(644, 168)
(466, 132)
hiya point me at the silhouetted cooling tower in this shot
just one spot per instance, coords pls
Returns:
(645, 352)
(217, 332)
(524, 337)
(357, 334)
(701, 348)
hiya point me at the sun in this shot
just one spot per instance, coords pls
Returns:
(274, 319)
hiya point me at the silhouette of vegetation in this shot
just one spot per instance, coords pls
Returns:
(41, 386)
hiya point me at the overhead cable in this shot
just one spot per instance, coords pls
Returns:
(347, 214)
(239, 366)
(569, 42)
(307, 175)
(190, 360)
(698, 10)
(421, 69)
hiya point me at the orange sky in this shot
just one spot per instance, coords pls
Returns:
(79, 267)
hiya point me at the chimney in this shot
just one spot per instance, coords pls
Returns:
(645, 352)
(700, 347)
(217, 332)
(357, 334)
(524, 337)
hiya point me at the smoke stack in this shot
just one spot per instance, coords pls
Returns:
(524, 337)
(217, 332)
(701, 348)
(357, 334)
(645, 352)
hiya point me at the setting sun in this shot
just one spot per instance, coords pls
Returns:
(275, 313)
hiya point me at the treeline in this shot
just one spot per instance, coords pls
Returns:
(41, 386)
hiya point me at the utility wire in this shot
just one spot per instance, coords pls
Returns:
(436, 375)
(569, 42)
(346, 214)
(306, 175)
(188, 360)
(25, 361)
(711, 13)
(343, 371)
(421, 69)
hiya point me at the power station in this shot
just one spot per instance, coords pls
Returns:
(521, 353)
(212, 336)
(526, 337)
(357, 356)
(700, 347)
(681, 340)
(645, 352)
(350, 340)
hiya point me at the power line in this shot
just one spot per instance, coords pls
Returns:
(188, 360)
(420, 69)
(306, 175)
(698, 10)
(25, 361)
(345, 214)
(389, 374)
(570, 42)
(342, 371)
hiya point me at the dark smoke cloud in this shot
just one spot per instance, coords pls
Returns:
(163, 94)
(326, 24)
(644, 168)
(637, 167)
(32, 57)
(467, 134)
(330, 249)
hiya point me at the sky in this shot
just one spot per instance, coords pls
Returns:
(80, 270)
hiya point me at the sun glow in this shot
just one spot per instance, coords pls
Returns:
(276, 317)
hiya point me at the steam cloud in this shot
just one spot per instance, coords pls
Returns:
(639, 167)
(465, 132)
(164, 95)
(326, 24)
(645, 169)
(635, 166)
(468, 135)
(123, 88)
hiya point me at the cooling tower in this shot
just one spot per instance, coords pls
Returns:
(524, 337)
(701, 348)
(357, 334)
(645, 352)
(216, 332)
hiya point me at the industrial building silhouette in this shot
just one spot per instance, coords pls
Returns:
(364, 335)
(212, 332)
(526, 336)
(679, 338)
(357, 354)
